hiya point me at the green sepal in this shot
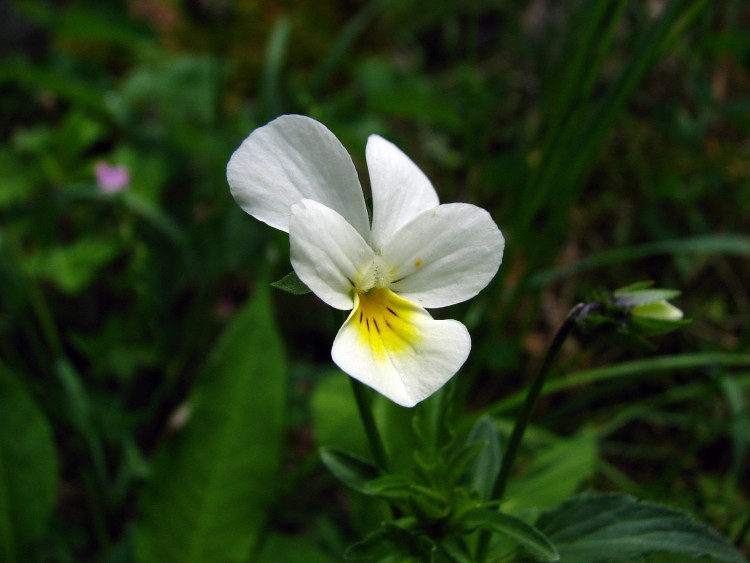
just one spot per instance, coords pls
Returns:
(291, 284)
(640, 293)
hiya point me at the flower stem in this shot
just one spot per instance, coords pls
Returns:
(524, 417)
(368, 421)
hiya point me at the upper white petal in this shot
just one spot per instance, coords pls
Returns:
(444, 256)
(400, 190)
(327, 253)
(409, 373)
(293, 158)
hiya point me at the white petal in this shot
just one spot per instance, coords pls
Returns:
(446, 255)
(400, 190)
(398, 349)
(327, 253)
(293, 158)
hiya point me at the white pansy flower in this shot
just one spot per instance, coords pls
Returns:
(294, 175)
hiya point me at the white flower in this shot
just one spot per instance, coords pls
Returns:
(294, 175)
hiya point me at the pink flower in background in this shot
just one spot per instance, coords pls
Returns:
(111, 179)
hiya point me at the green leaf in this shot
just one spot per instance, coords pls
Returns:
(17, 182)
(291, 284)
(594, 527)
(513, 527)
(337, 425)
(739, 425)
(349, 468)
(555, 474)
(392, 543)
(336, 422)
(213, 483)
(271, 84)
(483, 470)
(457, 549)
(73, 267)
(28, 471)
(390, 487)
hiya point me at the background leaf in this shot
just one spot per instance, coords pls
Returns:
(289, 549)
(214, 482)
(554, 474)
(28, 471)
(75, 266)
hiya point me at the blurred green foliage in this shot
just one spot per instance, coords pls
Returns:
(607, 139)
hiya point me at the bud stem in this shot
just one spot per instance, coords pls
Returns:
(577, 313)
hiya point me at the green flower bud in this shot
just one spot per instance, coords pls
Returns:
(633, 312)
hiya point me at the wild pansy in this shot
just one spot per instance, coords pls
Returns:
(294, 175)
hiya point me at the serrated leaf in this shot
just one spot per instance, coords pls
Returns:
(348, 468)
(28, 471)
(532, 539)
(213, 483)
(292, 284)
(592, 528)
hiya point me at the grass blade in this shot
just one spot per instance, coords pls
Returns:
(634, 369)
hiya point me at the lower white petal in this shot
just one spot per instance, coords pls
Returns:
(397, 348)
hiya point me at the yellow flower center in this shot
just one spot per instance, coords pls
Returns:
(386, 322)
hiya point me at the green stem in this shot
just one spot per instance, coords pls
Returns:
(524, 417)
(368, 421)
(533, 396)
